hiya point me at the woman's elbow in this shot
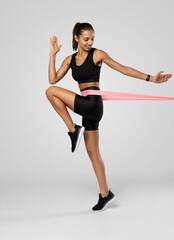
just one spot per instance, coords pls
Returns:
(51, 82)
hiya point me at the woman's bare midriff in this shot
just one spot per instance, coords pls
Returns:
(85, 85)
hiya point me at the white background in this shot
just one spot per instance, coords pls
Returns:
(47, 191)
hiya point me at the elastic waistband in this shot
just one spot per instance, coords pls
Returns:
(107, 95)
(92, 87)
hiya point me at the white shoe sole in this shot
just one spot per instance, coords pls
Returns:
(105, 205)
(79, 138)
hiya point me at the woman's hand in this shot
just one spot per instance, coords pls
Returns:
(54, 45)
(161, 78)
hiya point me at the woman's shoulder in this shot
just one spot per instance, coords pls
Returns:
(98, 51)
(69, 58)
(98, 54)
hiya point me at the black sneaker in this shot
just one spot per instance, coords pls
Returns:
(103, 201)
(75, 137)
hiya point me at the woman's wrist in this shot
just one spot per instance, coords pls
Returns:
(151, 78)
(52, 54)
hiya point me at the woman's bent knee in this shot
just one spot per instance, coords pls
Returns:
(49, 91)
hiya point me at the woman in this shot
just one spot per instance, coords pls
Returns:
(86, 65)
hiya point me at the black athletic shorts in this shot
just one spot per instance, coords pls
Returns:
(90, 107)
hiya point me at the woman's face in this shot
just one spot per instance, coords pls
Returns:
(86, 39)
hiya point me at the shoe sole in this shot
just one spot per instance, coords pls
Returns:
(105, 205)
(79, 138)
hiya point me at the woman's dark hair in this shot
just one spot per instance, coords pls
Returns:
(77, 30)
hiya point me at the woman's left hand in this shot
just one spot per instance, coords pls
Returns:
(160, 78)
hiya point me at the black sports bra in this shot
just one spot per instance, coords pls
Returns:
(88, 71)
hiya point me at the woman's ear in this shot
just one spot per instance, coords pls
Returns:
(76, 38)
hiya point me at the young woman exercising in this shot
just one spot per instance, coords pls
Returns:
(86, 65)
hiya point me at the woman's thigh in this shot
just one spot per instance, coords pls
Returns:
(67, 96)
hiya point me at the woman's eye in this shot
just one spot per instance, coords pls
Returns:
(87, 40)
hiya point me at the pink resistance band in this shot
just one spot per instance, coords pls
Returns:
(109, 96)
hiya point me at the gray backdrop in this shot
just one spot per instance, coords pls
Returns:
(136, 137)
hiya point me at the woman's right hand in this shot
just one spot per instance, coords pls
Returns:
(54, 45)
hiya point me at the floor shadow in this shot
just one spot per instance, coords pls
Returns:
(33, 216)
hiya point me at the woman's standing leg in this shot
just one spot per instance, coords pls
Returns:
(92, 147)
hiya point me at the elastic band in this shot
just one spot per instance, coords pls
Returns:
(109, 96)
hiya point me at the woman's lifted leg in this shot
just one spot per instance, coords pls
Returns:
(60, 98)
